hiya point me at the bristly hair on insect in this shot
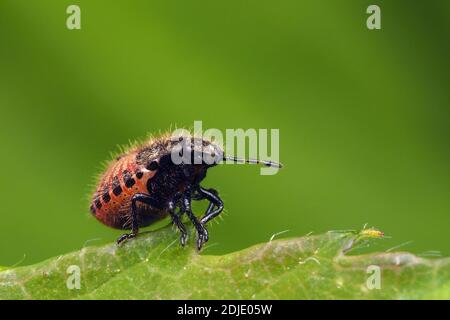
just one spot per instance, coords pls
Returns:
(144, 184)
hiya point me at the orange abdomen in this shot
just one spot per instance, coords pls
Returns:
(111, 203)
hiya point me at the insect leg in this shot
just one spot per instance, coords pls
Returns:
(176, 220)
(214, 199)
(202, 194)
(202, 233)
(141, 197)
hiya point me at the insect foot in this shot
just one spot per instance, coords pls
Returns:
(202, 237)
(123, 238)
(183, 238)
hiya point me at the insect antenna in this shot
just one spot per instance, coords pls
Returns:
(272, 164)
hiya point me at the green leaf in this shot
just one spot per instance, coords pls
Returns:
(154, 266)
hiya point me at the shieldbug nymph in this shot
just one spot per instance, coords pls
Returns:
(145, 184)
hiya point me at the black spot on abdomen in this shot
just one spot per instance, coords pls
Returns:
(92, 209)
(117, 190)
(128, 180)
(98, 204)
(106, 197)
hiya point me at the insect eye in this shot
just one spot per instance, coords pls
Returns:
(152, 166)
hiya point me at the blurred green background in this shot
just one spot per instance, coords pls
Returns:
(363, 115)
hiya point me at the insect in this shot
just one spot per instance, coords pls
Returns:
(144, 185)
